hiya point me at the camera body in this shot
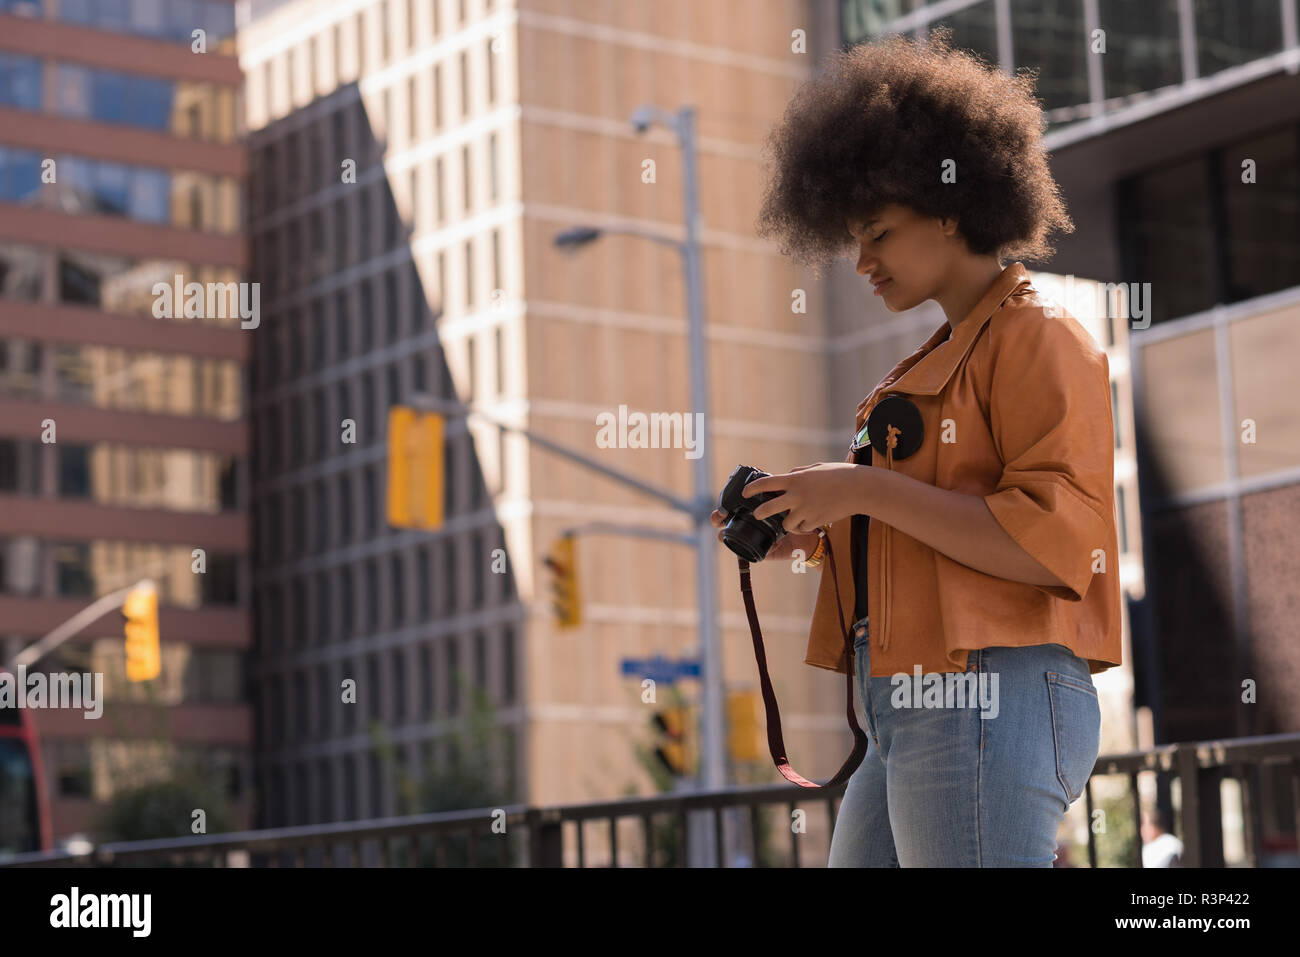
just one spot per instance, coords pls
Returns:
(747, 536)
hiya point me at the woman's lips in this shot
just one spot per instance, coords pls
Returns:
(881, 285)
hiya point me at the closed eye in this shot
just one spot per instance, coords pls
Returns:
(876, 239)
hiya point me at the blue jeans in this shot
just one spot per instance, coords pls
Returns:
(943, 786)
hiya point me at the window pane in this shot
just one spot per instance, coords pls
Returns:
(1049, 36)
(1167, 235)
(974, 29)
(20, 81)
(1262, 219)
(1230, 32)
(1142, 48)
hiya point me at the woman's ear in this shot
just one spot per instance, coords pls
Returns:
(948, 226)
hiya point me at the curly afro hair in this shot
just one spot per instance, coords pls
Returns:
(876, 127)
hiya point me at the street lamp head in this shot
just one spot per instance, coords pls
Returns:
(571, 239)
(642, 118)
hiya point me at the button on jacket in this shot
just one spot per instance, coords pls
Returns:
(1016, 409)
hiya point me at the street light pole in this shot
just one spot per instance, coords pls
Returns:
(713, 769)
(706, 555)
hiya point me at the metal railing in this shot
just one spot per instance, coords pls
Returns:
(522, 836)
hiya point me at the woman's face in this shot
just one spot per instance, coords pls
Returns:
(906, 255)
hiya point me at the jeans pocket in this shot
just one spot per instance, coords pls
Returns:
(862, 668)
(1076, 731)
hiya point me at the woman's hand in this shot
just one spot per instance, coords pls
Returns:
(783, 547)
(814, 495)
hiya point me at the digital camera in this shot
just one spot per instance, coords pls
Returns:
(747, 536)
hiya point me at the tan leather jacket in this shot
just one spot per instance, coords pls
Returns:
(1016, 409)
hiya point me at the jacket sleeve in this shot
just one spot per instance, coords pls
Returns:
(1050, 416)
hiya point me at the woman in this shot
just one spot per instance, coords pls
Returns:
(974, 516)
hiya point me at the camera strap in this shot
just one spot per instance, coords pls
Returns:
(775, 743)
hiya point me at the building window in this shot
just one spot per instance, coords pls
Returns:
(390, 220)
(390, 305)
(508, 669)
(464, 85)
(372, 501)
(374, 689)
(498, 352)
(453, 676)
(423, 584)
(480, 661)
(426, 683)
(361, 42)
(491, 62)
(471, 366)
(367, 317)
(437, 187)
(1234, 246)
(449, 550)
(1143, 51)
(347, 617)
(340, 236)
(72, 569)
(417, 373)
(351, 773)
(397, 575)
(442, 299)
(341, 337)
(321, 403)
(376, 786)
(322, 515)
(326, 778)
(437, 89)
(497, 287)
(345, 509)
(466, 179)
(399, 686)
(74, 469)
(476, 561)
(366, 229)
(297, 439)
(412, 111)
(418, 304)
(298, 517)
(349, 711)
(368, 408)
(328, 698)
(324, 615)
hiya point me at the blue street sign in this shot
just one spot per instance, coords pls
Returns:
(660, 669)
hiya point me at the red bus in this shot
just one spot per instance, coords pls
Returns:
(24, 804)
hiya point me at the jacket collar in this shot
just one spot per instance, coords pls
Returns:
(927, 370)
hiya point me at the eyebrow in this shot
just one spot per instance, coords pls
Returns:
(865, 226)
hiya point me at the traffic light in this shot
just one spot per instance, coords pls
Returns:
(143, 655)
(742, 723)
(563, 563)
(675, 750)
(416, 468)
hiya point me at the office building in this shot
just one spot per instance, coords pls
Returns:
(123, 438)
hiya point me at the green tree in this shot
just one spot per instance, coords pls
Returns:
(466, 780)
(156, 790)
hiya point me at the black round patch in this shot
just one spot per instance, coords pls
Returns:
(900, 412)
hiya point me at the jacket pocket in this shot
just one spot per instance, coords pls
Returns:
(1076, 731)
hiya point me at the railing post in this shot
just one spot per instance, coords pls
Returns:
(1189, 780)
(545, 838)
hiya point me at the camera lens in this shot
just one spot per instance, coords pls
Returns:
(748, 537)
